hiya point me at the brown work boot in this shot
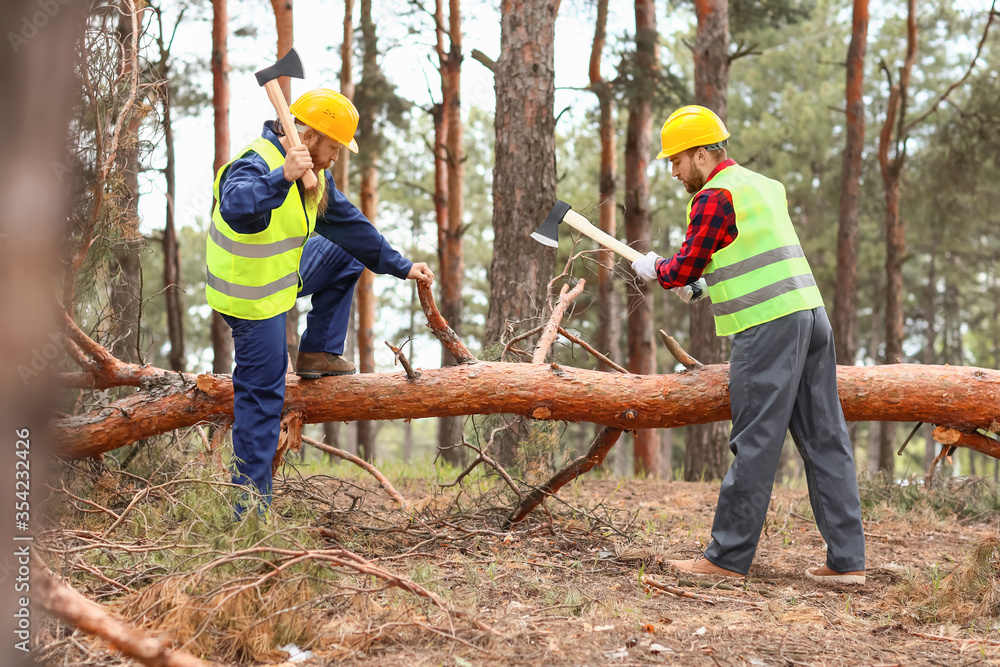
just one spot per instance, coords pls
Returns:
(312, 365)
(826, 575)
(701, 566)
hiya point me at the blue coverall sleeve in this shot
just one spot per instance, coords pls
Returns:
(249, 191)
(346, 226)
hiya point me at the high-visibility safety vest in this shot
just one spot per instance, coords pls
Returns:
(763, 274)
(256, 276)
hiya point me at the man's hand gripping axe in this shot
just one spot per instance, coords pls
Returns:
(289, 65)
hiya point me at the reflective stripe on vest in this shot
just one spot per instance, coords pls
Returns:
(754, 263)
(763, 274)
(254, 250)
(255, 276)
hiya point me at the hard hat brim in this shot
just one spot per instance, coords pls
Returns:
(353, 146)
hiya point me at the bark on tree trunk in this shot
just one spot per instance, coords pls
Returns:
(331, 430)
(283, 21)
(171, 251)
(895, 228)
(365, 292)
(638, 143)
(930, 335)
(845, 298)
(524, 176)
(39, 85)
(125, 301)
(960, 397)
(706, 454)
(451, 203)
(222, 341)
(609, 322)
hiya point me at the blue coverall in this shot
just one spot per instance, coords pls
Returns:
(330, 266)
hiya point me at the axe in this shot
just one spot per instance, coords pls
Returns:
(548, 233)
(289, 65)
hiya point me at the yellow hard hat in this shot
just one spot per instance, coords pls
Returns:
(690, 127)
(329, 113)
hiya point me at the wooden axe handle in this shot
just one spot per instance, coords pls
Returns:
(582, 225)
(287, 124)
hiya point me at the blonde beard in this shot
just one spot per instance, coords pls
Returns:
(314, 196)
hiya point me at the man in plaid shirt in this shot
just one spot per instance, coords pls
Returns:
(712, 227)
(782, 371)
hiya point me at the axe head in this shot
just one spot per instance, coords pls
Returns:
(289, 65)
(548, 232)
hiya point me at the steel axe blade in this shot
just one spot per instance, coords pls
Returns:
(289, 65)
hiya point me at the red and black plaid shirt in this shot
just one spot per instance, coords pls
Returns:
(712, 227)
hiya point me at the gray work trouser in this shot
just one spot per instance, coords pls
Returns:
(783, 376)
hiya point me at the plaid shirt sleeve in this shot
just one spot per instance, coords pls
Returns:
(712, 227)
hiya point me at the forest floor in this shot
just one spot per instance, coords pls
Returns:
(565, 587)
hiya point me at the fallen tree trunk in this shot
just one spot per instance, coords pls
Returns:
(959, 397)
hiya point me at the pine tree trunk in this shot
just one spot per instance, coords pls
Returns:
(125, 301)
(609, 322)
(365, 292)
(39, 85)
(285, 27)
(845, 298)
(895, 228)
(706, 454)
(930, 335)
(638, 144)
(171, 251)
(450, 198)
(962, 397)
(331, 430)
(524, 175)
(222, 341)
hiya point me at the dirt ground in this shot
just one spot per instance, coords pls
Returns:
(564, 588)
(559, 597)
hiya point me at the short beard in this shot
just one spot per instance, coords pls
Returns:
(695, 183)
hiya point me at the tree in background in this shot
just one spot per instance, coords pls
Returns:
(706, 451)
(171, 250)
(222, 342)
(284, 23)
(38, 83)
(449, 156)
(638, 147)
(895, 136)
(524, 175)
(845, 297)
(125, 301)
(609, 322)
(364, 292)
(341, 168)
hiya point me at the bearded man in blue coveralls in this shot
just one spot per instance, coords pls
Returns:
(742, 252)
(262, 255)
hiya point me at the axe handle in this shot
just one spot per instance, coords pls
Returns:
(582, 225)
(287, 124)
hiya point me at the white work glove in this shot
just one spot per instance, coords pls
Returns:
(645, 266)
(696, 291)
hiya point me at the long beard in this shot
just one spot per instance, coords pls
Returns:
(315, 196)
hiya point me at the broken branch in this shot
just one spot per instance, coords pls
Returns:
(63, 602)
(372, 470)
